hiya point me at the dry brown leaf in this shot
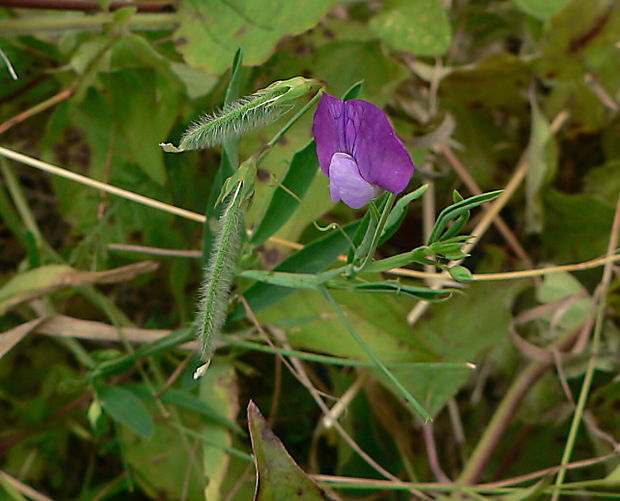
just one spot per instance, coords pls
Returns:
(46, 279)
(11, 337)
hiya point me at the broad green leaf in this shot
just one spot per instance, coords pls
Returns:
(540, 9)
(188, 401)
(380, 319)
(417, 26)
(379, 366)
(314, 257)
(579, 58)
(613, 479)
(542, 158)
(576, 227)
(472, 93)
(581, 38)
(144, 117)
(563, 285)
(160, 461)
(210, 31)
(604, 182)
(197, 83)
(125, 407)
(461, 329)
(342, 62)
(278, 477)
(286, 197)
(218, 389)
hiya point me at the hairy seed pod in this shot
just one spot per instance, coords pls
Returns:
(235, 119)
(218, 277)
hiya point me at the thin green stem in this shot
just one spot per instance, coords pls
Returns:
(378, 231)
(378, 363)
(35, 24)
(325, 359)
(20, 202)
(292, 122)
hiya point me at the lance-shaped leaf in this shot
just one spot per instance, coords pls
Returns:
(278, 478)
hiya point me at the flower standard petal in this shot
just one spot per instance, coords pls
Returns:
(346, 183)
(328, 129)
(380, 155)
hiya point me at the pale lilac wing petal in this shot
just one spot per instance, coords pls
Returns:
(346, 184)
(381, 157)
(328, 129)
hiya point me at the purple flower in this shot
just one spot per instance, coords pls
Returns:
(358, 150)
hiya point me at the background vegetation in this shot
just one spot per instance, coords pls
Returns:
(97, 399)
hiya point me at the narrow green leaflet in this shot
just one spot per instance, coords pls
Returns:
(391, 287)
(400, 260)
(123, 406)
(460, 273)
(311, 281)
(398, 213)
(454, 211)
(118, 365)
(278, 478)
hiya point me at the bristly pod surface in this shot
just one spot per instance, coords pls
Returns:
(218, 276)
(247, 113)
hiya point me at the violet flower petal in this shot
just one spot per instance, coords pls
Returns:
(381, 157)
(346, 183)
(328, 130)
